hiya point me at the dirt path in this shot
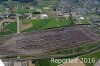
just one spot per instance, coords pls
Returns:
(24, 26)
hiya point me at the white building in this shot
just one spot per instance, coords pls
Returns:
(81, 17)
(42, 16)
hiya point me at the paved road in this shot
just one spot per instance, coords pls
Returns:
(97, 63)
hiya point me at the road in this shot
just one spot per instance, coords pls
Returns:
(97, 63)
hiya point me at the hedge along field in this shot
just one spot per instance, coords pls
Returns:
(6, 33)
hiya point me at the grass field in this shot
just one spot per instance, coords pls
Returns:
(95, 55)
(84, 21)
(42, 24)
(6, 33)
(22, 11)
(42, 62)
(10, 29)
(51, 3)
(65, 22)
(39, 24)
(45, 62)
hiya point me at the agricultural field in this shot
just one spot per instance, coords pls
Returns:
(38, 24)
(65, 22)
(45, 62)
(5, 33)
(46, 3)
(95, 55)
(9, 29)
(22, 11)
(12, 27)
(29, 25)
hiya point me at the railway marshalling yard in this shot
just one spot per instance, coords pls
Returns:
(58, 42)
(51, 36)
(45, 40)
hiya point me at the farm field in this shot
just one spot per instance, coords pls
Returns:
(39, 24)
(65, 22)
(95, 55)
(6, 33)
(10, 29)
(22, 11)
(45, 62)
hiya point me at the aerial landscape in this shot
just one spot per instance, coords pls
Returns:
(50, 32)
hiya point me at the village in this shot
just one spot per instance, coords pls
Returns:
(30, 17)
(29, 13)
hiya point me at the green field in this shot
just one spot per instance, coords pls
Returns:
(10, 29)
(95, 55)
(65, 22)
(51, 3)
(84, 21)
(22, 11)
(42, 62)
(39, 24)
(45, 62)
(6, 33)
